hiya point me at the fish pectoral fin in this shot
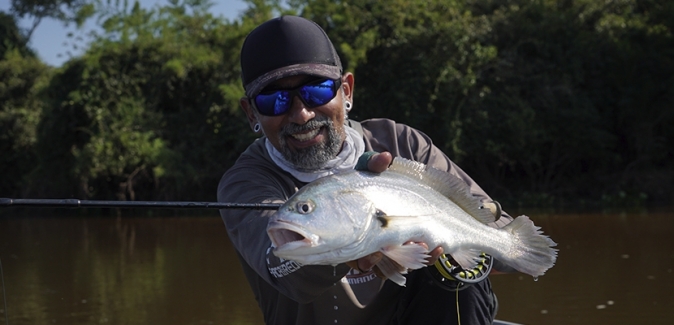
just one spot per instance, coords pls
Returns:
(467, 258)
(388, 221)
(393, 271)
(411, 256)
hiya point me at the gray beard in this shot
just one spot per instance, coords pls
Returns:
(314, 157)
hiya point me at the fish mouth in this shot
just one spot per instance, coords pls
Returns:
(287, 236)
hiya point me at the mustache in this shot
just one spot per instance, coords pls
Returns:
(316, 123)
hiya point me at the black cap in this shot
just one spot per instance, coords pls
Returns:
(286, 46)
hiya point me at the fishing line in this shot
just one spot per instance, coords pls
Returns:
(458, 313)
(4, 294)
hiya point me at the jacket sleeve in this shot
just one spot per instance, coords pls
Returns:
(251, 182)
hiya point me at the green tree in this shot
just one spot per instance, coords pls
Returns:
(542, 97)
(151, 110)
(580, 93)
(538, 101)
(22, 76)
(11, 36)
(68, 11)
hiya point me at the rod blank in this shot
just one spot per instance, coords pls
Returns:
(75, 203)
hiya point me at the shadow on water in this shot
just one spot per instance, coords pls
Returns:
(613, 268)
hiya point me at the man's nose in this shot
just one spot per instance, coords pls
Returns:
(299, 112)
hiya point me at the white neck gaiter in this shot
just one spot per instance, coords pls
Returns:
(352, 149)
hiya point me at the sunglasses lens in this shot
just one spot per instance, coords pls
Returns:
(319, 93)
(278, 102)
(274, 103)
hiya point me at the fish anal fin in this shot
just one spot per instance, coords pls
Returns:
(392, 271)
(411, 256)
(466, 258)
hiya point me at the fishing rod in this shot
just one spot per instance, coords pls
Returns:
(75, 203)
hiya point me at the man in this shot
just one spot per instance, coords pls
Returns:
(298, 97)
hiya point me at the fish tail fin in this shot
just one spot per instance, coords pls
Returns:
(534, 253)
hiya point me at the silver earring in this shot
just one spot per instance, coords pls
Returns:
(347, 106)
(257, 127)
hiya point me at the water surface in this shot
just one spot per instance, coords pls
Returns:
(613, 268)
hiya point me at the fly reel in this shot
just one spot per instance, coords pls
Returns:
(453, 277)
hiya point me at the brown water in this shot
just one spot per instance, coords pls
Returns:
(613, 268)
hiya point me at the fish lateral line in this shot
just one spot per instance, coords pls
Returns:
(448, 185)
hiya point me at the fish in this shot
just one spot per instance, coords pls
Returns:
(346, 216)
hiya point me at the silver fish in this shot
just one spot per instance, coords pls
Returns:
(344, 217)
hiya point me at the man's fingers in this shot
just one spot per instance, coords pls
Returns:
(422, 244)
(435, 254)
(379, 162)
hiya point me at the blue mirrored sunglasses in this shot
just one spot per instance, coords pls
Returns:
(312, 94)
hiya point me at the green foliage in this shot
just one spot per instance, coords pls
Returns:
(541, 102)
(581, 94)
(144, 111)
(543, 97)
(67, 11)
(11, 37)
(22, 76)
(58, 9)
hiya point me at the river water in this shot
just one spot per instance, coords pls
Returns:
(613, 268)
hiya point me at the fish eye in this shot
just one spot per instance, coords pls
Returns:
(304, 207)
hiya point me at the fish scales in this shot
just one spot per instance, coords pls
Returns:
(343, 217)
(430, 210)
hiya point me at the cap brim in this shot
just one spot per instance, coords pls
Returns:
(311, 69)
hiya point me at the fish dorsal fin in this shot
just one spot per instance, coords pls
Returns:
(446, 184)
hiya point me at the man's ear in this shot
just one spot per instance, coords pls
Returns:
(248, 110)
(347, 86)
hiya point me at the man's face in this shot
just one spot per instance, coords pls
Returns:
(307, 137)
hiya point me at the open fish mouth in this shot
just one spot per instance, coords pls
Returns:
(287, 236)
